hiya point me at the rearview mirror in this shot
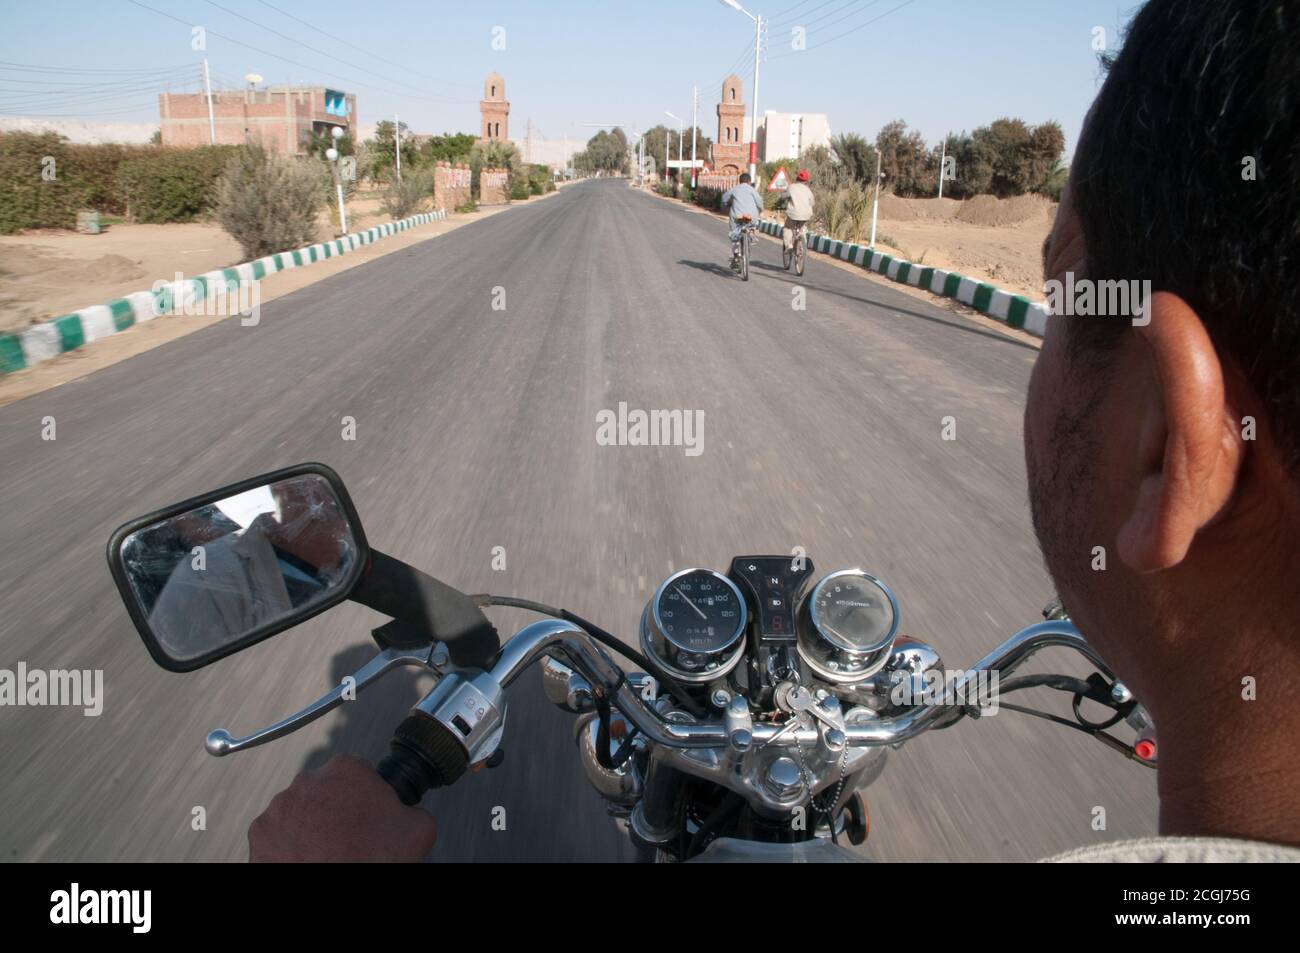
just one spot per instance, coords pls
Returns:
(207, 577)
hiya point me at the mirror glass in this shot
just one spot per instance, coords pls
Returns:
(210, 578)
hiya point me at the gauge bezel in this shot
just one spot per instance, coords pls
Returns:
(734, 643)
(888, 639)
(870, 658)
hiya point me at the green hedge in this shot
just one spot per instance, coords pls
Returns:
(45, 180)
(172, 185)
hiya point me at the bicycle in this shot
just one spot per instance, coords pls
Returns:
(746, 239)
(798, 250)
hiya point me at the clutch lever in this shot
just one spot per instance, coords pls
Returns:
(431, 656)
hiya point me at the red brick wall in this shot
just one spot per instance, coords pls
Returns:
(493, 186)
(451, 185)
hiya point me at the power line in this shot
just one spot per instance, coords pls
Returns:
(825, 3)
(339, 39)
(841, 36)
(308, 46)
(8, 64)
(277, 56)
(831, 13)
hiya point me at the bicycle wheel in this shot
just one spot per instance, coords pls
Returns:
(787, 254)
(798, 253)
(744, 256)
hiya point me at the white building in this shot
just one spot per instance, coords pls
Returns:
(788, 135)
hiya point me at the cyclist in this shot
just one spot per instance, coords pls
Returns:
(798, 204)
(741, 200)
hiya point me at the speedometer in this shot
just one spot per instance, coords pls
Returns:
(694, 625)
(846, 625)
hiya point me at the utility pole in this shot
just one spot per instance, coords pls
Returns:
(758, 49)
(212, 119)
(875, 206)
(695, 123)
(753, 126)
(397, 141)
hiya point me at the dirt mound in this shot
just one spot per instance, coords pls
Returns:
(894, 209)
(996, 212)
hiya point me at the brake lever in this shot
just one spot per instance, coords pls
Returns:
(431, 656)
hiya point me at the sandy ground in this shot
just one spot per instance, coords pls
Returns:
(46, 273)
(995, 240)
(146, 253)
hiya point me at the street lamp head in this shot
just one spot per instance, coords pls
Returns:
(331, 153)
(337, 132)
(733, 4)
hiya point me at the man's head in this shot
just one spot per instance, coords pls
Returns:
(1168, 452)
(802, 176)
(744, 178)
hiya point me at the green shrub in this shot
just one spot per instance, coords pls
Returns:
(410, 195)
(39, 184)
(467, 207)
(172, 185)
(270, 203)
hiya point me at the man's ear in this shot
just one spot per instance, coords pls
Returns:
(1189, 450)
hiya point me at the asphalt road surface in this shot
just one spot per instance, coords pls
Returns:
(475, 429)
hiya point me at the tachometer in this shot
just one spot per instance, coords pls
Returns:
(695, 624)
(846, 625)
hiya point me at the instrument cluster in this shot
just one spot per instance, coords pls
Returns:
(838, 628)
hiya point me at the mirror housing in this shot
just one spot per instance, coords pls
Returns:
(214, 574)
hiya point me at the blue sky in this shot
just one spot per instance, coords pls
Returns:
(938, 64)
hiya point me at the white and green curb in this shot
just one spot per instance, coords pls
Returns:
(1014, 310)
(40, 342)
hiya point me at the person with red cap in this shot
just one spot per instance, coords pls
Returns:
(798, 204)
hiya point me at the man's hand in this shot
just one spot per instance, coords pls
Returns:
(343, 812)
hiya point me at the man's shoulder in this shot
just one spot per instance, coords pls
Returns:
(1180, 850)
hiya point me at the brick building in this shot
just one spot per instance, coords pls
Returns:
(730, 151)
(283, 118)
(494, 111)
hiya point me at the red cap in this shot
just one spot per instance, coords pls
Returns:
(1145, 749)
(803, 175)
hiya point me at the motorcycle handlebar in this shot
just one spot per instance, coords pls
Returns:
(427, 754)
(543, 637)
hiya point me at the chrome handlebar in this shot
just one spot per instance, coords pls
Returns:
(554, 637)
(550, 636)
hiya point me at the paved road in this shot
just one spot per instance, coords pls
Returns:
(476, 429)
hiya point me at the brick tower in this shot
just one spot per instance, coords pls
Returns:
(494, 110)
(730, 151)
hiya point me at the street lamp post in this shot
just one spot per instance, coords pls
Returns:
(758, 47)
(875, 205)
(332, 153)
(680, 124)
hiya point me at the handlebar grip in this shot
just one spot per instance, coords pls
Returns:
(423, 754)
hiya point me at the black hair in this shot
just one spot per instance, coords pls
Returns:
(744, 177)
(1187, 173)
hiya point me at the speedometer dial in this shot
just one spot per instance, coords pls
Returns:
(694, 625)
(847, 625)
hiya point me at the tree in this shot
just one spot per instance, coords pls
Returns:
(857, 156)
(606, 154)
(381, 151)
(905, 160)
(448, 147)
